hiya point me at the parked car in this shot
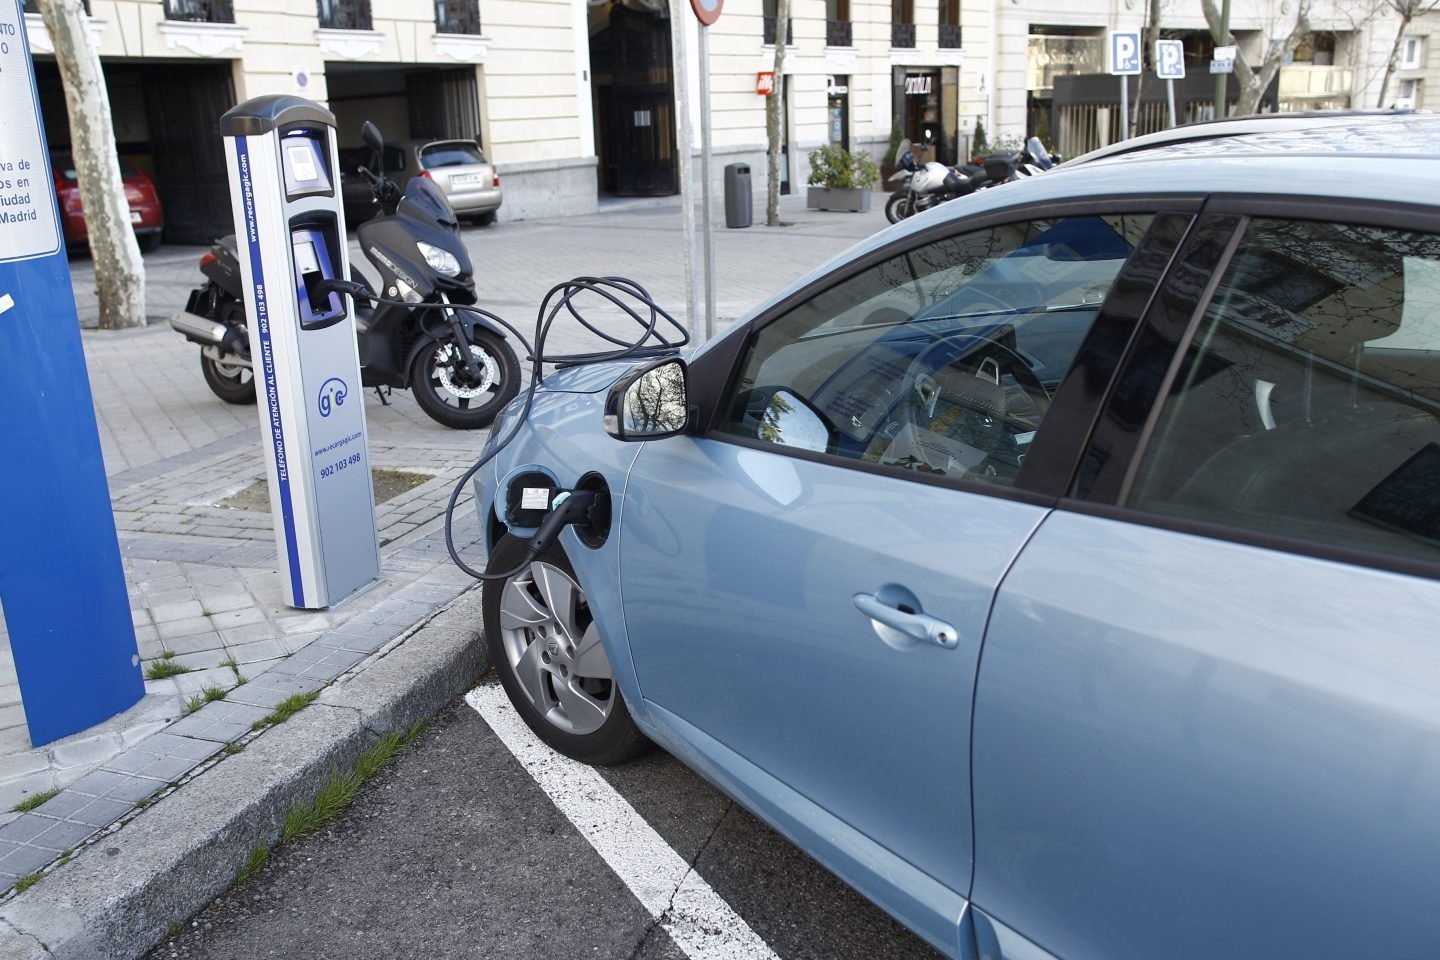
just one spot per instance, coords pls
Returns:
(1061, 569)
(146, 214)
(458, 167)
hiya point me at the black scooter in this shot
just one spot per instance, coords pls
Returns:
(459, 364)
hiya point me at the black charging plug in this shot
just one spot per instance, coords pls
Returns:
(569, 507)
(357, 290)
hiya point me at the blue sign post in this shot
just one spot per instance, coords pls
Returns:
(62, 586)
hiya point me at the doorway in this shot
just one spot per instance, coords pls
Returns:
(634, 100)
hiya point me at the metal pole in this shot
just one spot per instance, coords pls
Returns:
(706, 214)
(680, 19)
(1221, 80)
(1124, 108)
(1170, 91)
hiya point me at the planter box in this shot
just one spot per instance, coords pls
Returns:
(850, 200)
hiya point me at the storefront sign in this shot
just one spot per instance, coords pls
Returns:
(765, 82)
(918, 84)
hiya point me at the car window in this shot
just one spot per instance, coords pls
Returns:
(353, 158)
(1307, 406)
(940, 360)
(450, 155)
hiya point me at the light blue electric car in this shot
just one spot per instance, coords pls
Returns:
(1060, 568)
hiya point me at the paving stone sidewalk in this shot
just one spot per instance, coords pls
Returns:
(214, 635)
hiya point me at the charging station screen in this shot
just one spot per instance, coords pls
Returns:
(305, 169)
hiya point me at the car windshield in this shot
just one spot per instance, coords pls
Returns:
(456, 153)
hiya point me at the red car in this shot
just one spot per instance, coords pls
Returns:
(145, 214)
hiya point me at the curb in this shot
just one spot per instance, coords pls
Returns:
(117, 897)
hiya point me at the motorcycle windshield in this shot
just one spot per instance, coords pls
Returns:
(423, 201)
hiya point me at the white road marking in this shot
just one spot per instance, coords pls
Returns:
(697, 918)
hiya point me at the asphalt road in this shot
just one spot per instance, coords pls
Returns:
(455, 851)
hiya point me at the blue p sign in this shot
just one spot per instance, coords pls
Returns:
(1170, 59)
(1125, 53)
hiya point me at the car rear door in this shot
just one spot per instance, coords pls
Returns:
(769, 580)
(1208, 703)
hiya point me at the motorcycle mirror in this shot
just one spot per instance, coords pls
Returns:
(371, 135)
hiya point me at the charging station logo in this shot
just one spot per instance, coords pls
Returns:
(332, 394)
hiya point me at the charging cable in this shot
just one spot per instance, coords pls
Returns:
(632, 300)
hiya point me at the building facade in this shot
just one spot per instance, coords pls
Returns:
(574, 99)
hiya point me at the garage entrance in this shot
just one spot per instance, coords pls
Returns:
(425, 103)
(634, 99)
(166, 117)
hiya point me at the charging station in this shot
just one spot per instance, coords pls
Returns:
(62, 585)
(285, 190)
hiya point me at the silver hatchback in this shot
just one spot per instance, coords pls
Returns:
(458, 167)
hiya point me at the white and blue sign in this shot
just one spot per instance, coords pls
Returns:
(61, 582)
(1124, 53)
(1170, 60)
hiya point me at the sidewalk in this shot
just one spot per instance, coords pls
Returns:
(207, 605)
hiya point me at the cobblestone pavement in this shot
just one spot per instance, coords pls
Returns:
(206, 601)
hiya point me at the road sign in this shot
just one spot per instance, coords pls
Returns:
(1225, 53)
(1222, 66)
(707, 11)
(1170, 59)
(1124, 50)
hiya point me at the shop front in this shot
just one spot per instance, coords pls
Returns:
(927, 103)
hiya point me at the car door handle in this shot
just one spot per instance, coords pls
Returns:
(917, 626)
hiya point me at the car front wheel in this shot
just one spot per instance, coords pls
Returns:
(546, 647)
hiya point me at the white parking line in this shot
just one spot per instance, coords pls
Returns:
(699, 921)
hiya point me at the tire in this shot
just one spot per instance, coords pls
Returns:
(233, 384)
(563, 689)
(441, 384)
(899, 206)
(485, 219)
(150, 242)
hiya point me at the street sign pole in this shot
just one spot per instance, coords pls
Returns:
(1124, 56)
(1170, 92)
(706, 215)
(1221, 80)
(678, 28)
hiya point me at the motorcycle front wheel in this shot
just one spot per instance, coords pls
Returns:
(900, 205)
(451, 395)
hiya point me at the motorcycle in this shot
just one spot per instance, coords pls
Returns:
(930, 185)
(459, 365)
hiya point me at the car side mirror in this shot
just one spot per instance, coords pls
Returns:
(649, 403)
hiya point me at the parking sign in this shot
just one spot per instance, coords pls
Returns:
(1124, 53)
(1170, 59)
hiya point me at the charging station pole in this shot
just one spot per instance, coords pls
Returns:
(285, 190)
(62, 584)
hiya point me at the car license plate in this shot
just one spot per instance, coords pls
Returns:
(134, 216)
(465, 178)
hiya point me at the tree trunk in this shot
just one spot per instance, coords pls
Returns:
(774, 111)
(119, 271)
(1147, 55)
(1394, 61)
(1253, 84)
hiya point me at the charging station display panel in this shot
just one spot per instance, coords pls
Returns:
(307, 170)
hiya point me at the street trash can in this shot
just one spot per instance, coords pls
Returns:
(738, 210)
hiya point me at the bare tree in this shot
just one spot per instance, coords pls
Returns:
(119, 271)
(1408, 10)
(1253, 83)
(774, 111)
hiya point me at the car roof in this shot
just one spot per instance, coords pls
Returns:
(1239, 126)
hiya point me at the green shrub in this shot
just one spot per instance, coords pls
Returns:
(836, 168)
(981, 145)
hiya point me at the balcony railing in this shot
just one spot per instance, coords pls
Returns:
(839, 33)
(344, 14)
(950, 36)
(789, 30)
(902, 35)
(457, 16)
(200, 11)
(1303, 81)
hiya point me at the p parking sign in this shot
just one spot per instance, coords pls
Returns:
(1124, 53)
(1170, 60)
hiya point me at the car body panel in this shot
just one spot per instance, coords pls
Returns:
(738, 569)
(1146, 782)
(147, 215)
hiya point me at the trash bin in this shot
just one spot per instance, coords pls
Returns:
(738, 210)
